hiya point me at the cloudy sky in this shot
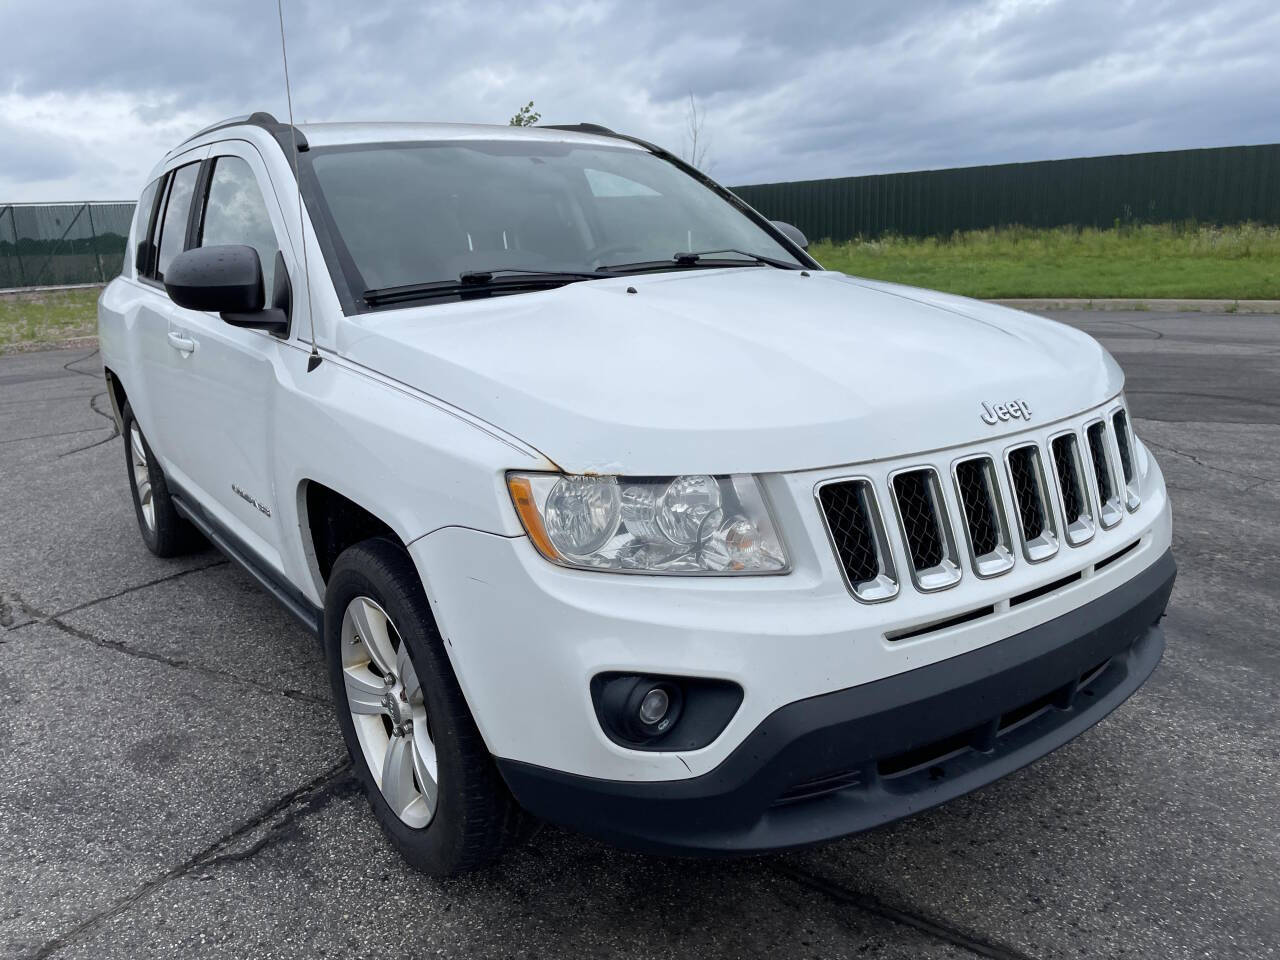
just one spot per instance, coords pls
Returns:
(92, 93)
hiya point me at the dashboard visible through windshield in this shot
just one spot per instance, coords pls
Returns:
(404, 215)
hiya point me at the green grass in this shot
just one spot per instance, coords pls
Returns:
(1154, 261)
(47, 317)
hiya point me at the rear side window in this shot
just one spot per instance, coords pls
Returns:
(173, 227)
(142, 229)
(235, 212)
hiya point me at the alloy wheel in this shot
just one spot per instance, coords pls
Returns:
(389, 712)
(141, 475)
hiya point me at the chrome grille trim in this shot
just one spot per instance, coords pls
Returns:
(925, 527)
(981, 505)
(884, 585)
(1125, 447)
(1102, 468)
(1073, 490)
(1040, 486)
(1030, 491)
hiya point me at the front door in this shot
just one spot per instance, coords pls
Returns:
(226, 397)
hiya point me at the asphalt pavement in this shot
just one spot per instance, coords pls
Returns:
(172, 780)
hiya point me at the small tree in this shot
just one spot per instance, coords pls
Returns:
(696, 142)
(526, 116)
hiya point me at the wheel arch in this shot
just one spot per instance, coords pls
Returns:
(331, 522)
(117, 395)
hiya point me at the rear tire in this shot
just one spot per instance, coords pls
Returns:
(165, 533)
(402, 712)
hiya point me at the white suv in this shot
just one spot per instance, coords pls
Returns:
(611, 505)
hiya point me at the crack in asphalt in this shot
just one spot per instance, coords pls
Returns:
(115, 428)
(938, 929)
(1260, 481)
(289, 809)
(286, 828)
(119, 646)
(84, 373)
(1183, 394)
(220, 562)
(60, 433)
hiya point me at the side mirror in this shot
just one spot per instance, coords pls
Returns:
(792, 233)
(227, 280)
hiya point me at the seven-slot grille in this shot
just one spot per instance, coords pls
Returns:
(1078, 497)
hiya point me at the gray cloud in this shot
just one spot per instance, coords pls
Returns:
(93, 93)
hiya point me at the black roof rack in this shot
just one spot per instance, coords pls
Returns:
(283, 134)
(580, 128)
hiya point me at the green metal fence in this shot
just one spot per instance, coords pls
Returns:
(46, 244)
(1220, 185)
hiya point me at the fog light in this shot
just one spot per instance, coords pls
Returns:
(640, 710)
(654, 706)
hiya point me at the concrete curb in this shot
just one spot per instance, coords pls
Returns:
(18, 291)
(1155, 306)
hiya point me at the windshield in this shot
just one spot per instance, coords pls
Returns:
(421, 213)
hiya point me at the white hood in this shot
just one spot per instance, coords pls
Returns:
(737, 370)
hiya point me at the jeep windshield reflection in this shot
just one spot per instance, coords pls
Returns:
(416, 221)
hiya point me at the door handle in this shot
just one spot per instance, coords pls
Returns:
(180, 342)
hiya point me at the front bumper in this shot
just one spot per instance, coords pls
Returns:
(847, 761)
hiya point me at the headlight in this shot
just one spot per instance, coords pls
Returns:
(693, 524)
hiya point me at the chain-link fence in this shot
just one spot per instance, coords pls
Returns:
(47, 244)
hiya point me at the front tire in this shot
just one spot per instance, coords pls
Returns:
(165, 533)
(413, 743)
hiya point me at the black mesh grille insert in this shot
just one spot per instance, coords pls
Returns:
(1098, 451)
(979, 509)
(849, 520)
(1121, 423)
(920, 521)
(1022, 469)
(1064, 462)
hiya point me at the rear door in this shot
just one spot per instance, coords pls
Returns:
(227, 393)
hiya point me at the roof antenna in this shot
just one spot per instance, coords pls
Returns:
(313, 360)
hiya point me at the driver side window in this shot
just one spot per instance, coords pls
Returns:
(235, 212)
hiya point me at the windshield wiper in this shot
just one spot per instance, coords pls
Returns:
(703, 258)
(480, 282)
(486, 276)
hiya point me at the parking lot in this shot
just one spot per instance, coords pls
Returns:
(171, 777)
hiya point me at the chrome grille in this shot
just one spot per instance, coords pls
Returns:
(978, 492)
(922, 517)
(1103, 477)
(1069, 485)
(856, 531)
(1077, 511)
(1124, 443)
(1031, 495)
